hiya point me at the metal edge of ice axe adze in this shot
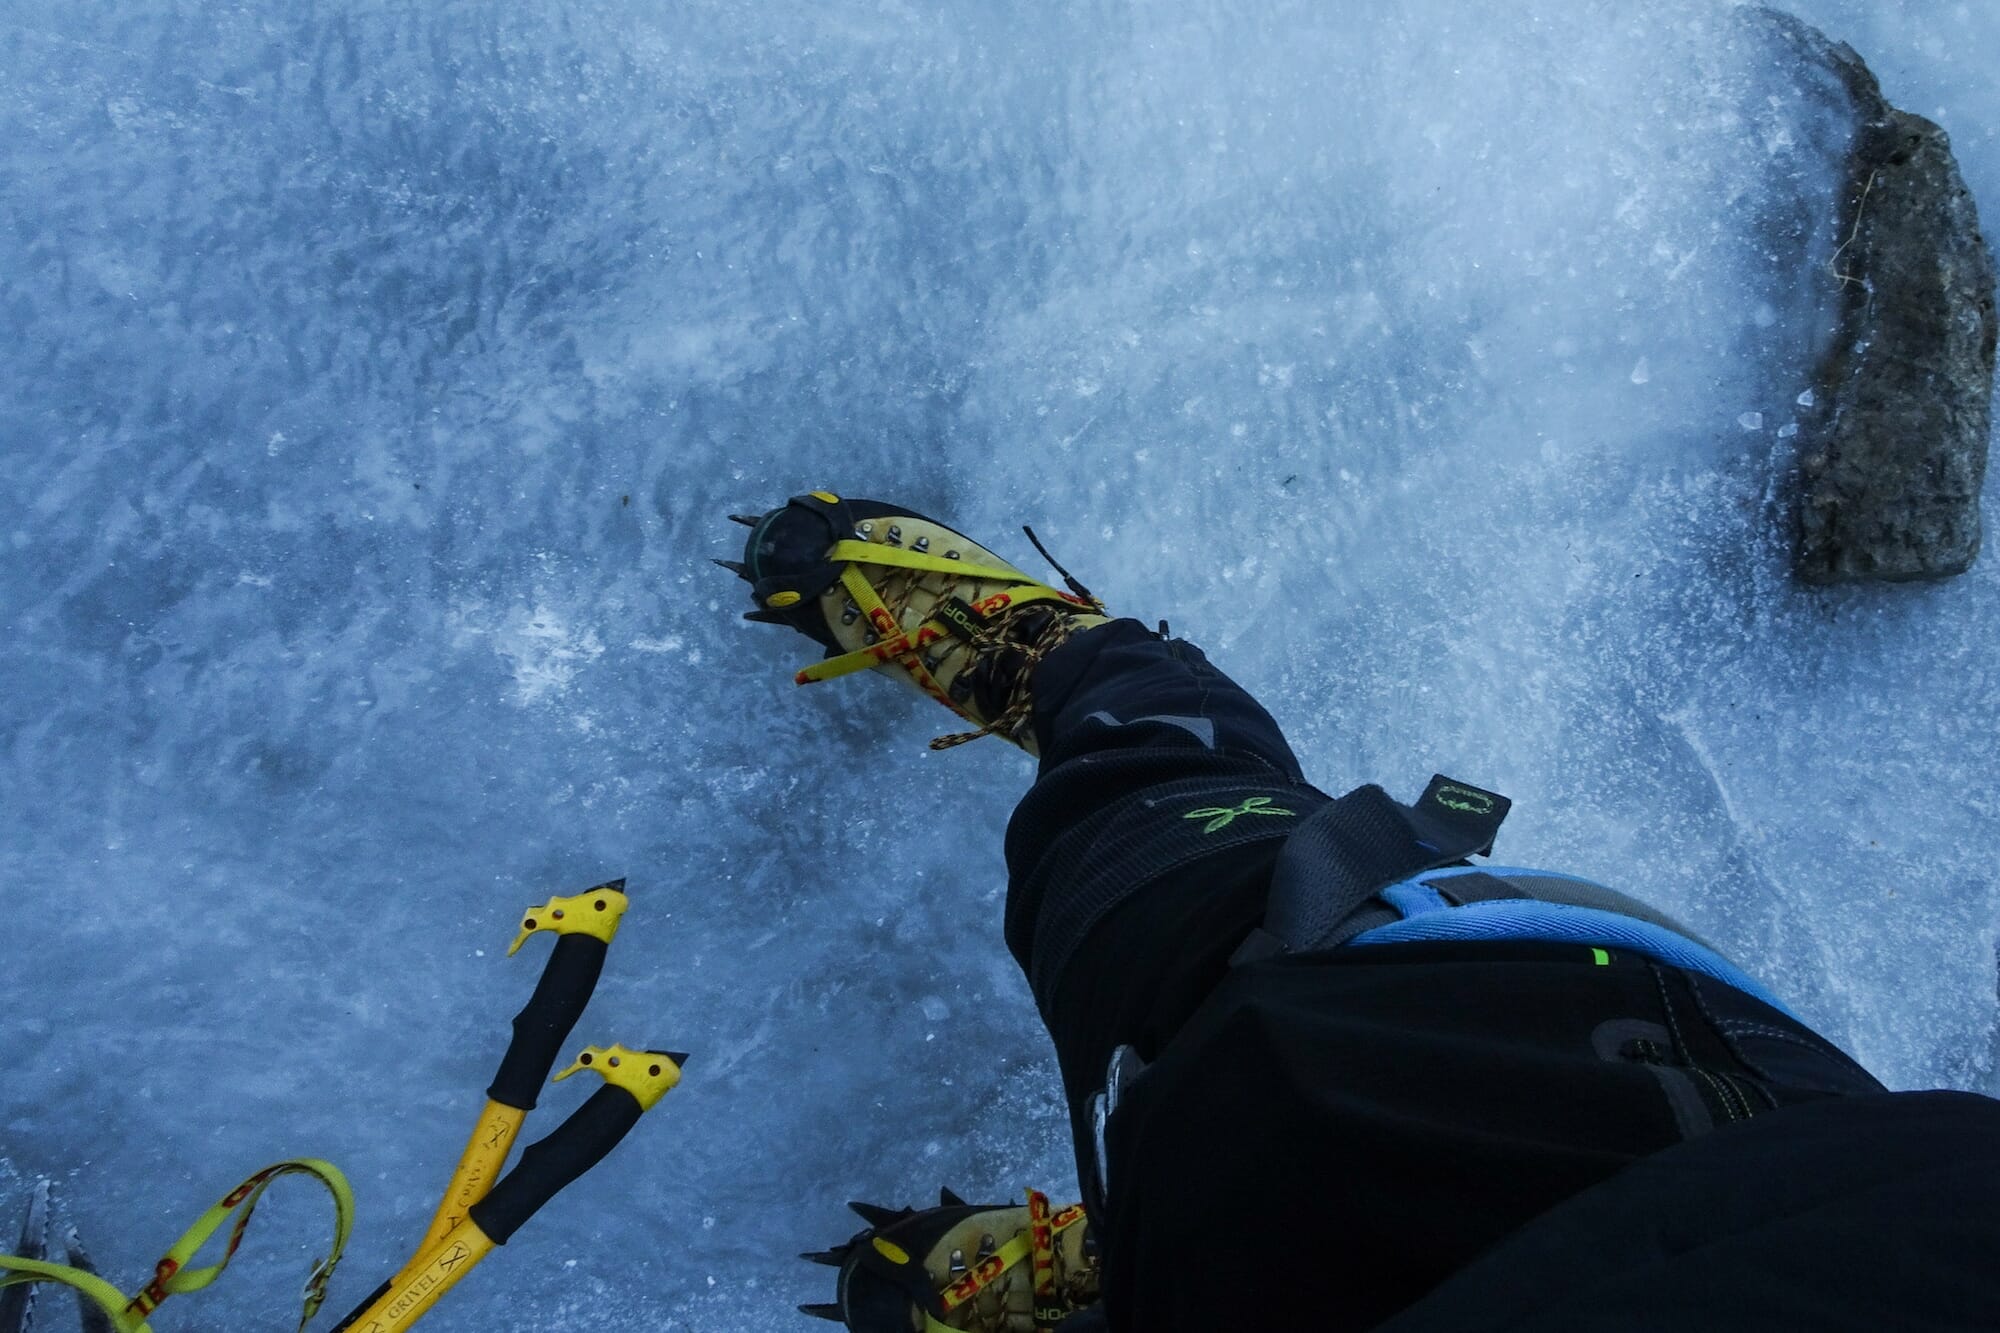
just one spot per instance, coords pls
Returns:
(94, 1319)
(17, 1304)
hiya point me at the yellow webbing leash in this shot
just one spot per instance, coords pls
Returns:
(171, 1275)
(94, 1288)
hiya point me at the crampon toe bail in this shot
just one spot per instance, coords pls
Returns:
(785, 562)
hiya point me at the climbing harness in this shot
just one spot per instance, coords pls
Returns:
(1348, 850)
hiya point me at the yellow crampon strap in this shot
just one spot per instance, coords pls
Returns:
(1021, 1249)
(897, 642)
(1043, 1235)
(92, 1287)
(875, 553)
(171, 1275)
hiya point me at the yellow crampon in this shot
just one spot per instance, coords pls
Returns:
(171, 1275)
(883, 587)
(905, 647)
(1037, 1247)
(948, 1270)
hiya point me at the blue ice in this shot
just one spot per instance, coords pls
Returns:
(376, 380)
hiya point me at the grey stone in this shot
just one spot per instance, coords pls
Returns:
(1894, 456)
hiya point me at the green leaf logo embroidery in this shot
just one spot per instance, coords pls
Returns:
(1221, 817)
(1465, 800)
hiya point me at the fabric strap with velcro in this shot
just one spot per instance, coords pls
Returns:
(1348, 850)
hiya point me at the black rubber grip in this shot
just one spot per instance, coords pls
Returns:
(544, 1025)
(578, 1144)
(362, 1308)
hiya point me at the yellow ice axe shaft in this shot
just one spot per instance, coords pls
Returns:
(411, 1293)
(584, 925)
(478, 1167)
(635, 1082)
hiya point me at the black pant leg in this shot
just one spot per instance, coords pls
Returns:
(1124, 899)
(1369, 1121)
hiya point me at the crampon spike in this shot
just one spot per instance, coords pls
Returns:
(875, 1215)
(829, 1312)
(747, 520)
(948, 1198)
(831, 1258)
(764, 617)
(736, 567)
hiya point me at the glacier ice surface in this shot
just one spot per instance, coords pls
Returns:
(378, 378)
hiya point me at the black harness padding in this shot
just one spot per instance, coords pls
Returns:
(1474, 886)
(1349, 850)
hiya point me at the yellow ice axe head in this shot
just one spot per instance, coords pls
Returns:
(647, 1075)
(592, 912)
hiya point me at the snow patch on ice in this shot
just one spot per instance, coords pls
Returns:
(542, 649)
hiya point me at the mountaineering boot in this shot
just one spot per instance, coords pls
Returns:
(990, 1267)
(885, 588)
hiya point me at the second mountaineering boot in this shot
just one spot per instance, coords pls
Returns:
(985, 1267)
(885, 588)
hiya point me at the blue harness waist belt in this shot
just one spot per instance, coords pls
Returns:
(1356, 860)
(1427, 915)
